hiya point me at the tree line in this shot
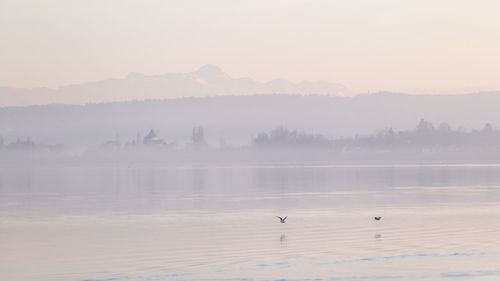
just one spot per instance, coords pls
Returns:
(424, 136)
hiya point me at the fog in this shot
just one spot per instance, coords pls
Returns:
(165, 140)
(237, 120)
(424, 142)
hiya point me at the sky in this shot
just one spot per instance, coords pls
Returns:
(367, 45)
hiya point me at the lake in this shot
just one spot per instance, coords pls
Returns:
(126, 222)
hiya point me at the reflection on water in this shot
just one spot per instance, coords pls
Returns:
(212, 223)
(283, 239)
(88, 189)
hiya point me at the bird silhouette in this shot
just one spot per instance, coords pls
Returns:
(282, 220)
(377, 218)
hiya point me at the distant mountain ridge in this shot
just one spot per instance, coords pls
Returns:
(209, 80)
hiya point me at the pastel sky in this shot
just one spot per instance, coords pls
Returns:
(366, 45)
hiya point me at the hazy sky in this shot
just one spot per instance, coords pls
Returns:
(367, 45)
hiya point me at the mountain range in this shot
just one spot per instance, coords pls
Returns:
(208, 80)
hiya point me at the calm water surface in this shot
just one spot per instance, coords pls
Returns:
(74, 223)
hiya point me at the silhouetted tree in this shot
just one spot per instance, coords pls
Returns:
(281, 137)
(198, 136)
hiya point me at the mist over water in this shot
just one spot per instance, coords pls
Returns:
(271, 140)
(216, 222)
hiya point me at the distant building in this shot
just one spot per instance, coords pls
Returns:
(152, 139)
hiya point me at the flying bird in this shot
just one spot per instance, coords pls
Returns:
(377, 218)
(282, 220)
